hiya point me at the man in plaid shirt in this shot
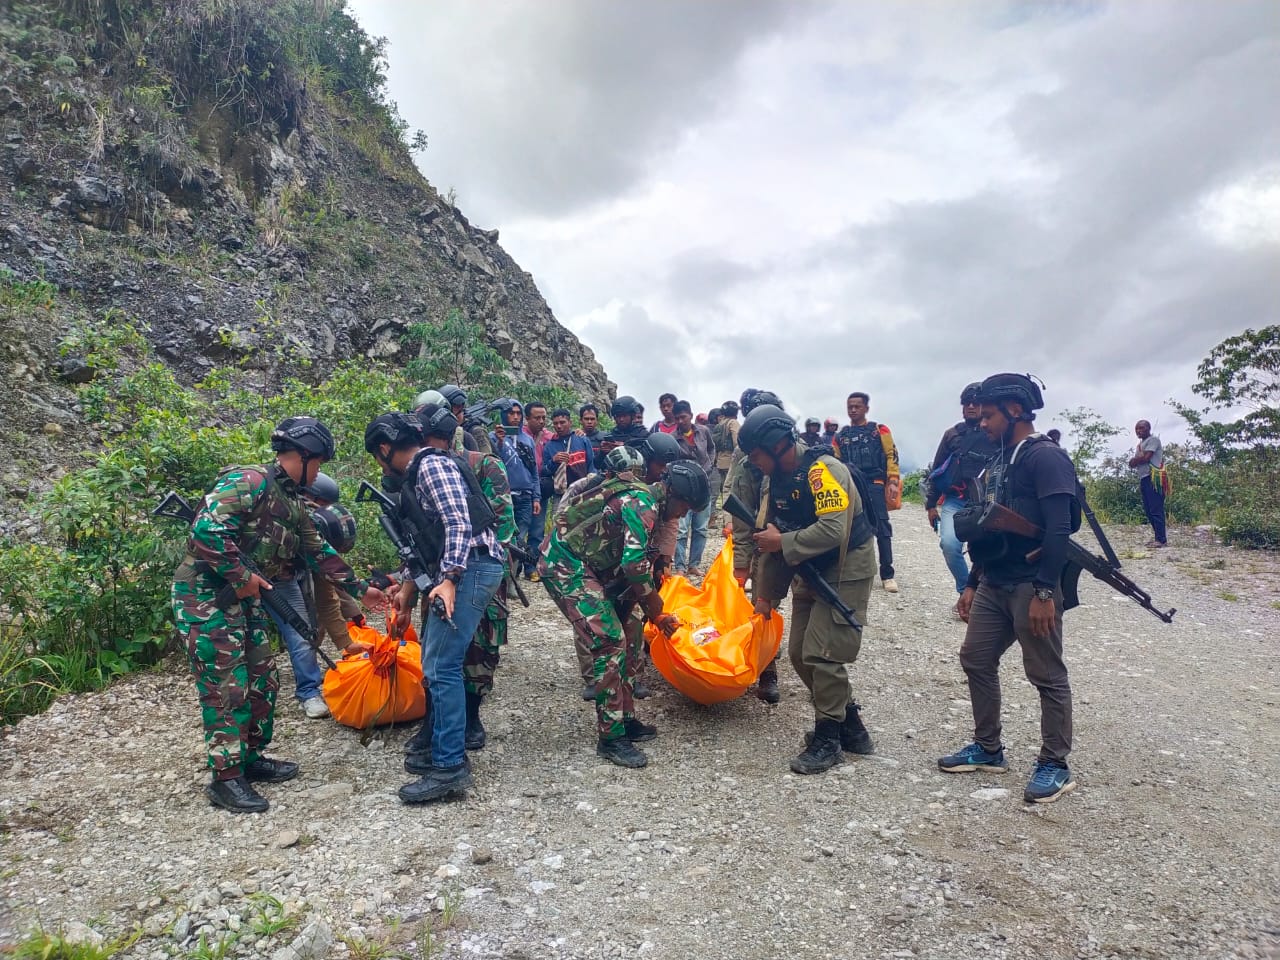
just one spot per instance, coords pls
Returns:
(438, 503)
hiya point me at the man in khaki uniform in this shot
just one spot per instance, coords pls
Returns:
(814, 514)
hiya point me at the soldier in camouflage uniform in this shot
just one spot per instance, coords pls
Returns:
(251, 512)
(486, 646)
(596, 562)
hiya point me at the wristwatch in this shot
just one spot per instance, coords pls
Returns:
(454, 576)
(1044, 594)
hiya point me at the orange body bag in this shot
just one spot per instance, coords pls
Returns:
(721, 645)
(380, 686)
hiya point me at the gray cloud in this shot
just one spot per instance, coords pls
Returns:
(817, 198)
(537, 107)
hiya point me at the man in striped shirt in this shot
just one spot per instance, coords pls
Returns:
(450, 518)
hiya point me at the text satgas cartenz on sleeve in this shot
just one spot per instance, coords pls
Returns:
(828, 495)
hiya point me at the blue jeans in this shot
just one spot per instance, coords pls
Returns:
(697, 522)
(307, 673)
(522, 504)
(443, 653)
(952, 549)
(1153, 506)
(537, 529)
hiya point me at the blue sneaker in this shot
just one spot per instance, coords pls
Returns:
(973, 757)
(1049, 780)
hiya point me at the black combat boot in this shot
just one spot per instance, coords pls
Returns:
(236, 795)
(767, 685)
(266, 770)
(588, 691)
(438, 783)
(641, 690)
(638, 732)
(474, 737)
(622, 752)
(417, 749)
(853, 735)
(823, 751)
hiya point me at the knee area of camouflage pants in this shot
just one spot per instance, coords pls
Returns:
(235, 676)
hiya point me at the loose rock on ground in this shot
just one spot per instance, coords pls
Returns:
(716, 850)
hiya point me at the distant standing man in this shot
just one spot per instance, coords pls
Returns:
(1149, 456)
(829, 429)
(868, 446)
(536, 432)
(589, 418)
(962, 455)
(1011, 598)
(666, 404)
(515, 447)
(725, 435)
(566, 449)
(696, 441)
(812, 435)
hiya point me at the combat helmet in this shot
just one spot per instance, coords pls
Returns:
(686, 481)
(337, 525)
(307, 435)
(323, 487)
(624, 459)
(764, 428)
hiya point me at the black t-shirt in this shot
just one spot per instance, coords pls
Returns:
(1040, 470)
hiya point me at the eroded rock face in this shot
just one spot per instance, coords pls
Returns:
(231, 245)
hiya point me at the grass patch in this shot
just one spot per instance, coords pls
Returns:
(1231, 597)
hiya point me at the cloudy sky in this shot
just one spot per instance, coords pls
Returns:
(819, 197)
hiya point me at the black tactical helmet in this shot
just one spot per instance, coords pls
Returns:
(730, 408)
(624, 407)
(624, 459)
(307, 435)
(687, 482)
(398, 429)
(971, 393)
(661, 448)
(337, 525)
(454, 395)
(323, 487)
(437, 422)
(764, 428)
(1019, 388)
(752, 398)
(812, 422)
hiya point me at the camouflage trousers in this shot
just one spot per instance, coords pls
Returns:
(608, 631)
(486, 646)
(234, 671)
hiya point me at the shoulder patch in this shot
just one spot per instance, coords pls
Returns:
(883, 429)
(828, 495)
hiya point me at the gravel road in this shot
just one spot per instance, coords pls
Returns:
(1169, 848)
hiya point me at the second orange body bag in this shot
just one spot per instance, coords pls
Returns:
(721, 645)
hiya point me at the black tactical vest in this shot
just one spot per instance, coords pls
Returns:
(861, 447)
(428, 532)
(794, 507)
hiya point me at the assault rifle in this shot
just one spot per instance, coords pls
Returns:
(999, 519)
(807, 570)
(174, 506)
(407, 548)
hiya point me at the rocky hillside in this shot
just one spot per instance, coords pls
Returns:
(229, 179)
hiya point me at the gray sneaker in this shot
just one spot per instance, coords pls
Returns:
(315, 708)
